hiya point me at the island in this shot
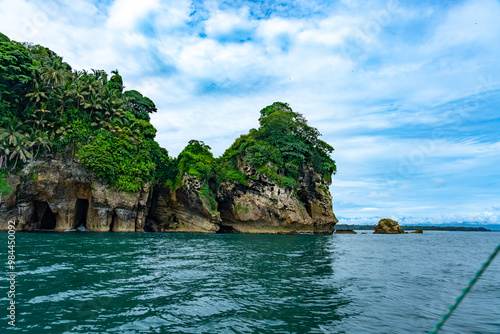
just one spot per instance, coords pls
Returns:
(79, 152)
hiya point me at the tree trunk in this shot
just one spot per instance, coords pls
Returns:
(15, 164)
(38, 150)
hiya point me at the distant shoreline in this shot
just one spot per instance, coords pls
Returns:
(411, 227)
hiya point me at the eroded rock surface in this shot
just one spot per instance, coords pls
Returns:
(262, 206)
(388, 226)
(182, 209)
(59, 194)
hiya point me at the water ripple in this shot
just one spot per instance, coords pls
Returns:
(192, 283)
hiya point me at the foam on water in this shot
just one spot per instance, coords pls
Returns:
(81, 228)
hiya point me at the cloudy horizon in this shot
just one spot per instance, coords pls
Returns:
(407, 94)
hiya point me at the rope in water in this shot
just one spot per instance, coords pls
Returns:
(465, 291)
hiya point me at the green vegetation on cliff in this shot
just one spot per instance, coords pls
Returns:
(46, 108)
(279, 147)
(282, 144)
(197, 160)
(5, 189)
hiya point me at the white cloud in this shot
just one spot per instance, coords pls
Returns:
(475, 22)
(369, 209)
(376, 106)
(125, 14)
(172, 14)
(223, 23)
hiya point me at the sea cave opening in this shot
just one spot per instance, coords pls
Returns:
(226, 229)
(113, 221)
(81, 211)
(43, 217)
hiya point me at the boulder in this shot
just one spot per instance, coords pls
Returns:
(388, 226)
(418, 231)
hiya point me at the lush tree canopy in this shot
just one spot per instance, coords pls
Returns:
(15, 76)
(142, 106)
(45, 106)
(197, 160)
(283, 143)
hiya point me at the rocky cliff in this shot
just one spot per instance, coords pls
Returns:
(183, 209)
(59, 194)
(262, 206)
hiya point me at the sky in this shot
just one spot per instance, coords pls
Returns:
(408, 93)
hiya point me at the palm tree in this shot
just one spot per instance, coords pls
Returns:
(39, 139)
(41, 122)
(64, 95)
(77, 91)
(21, 150)
(4, 154)
(93, 103)
(64, 131)
(112, 105)
(14, 143)
(55, 73)
(17, 146)
(124, 127)
(38, 94)
(115, 82)
(12, 132)
(101, 76)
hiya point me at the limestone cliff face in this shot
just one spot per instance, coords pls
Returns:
(314, 193)
(262, 206)
(59, 194)
(182, 210)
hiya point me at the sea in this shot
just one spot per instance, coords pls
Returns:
(84, 282)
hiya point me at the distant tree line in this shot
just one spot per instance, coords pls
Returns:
(415, 227)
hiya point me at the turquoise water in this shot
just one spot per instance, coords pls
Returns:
(236, 283)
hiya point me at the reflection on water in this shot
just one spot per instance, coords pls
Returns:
(239, 283)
